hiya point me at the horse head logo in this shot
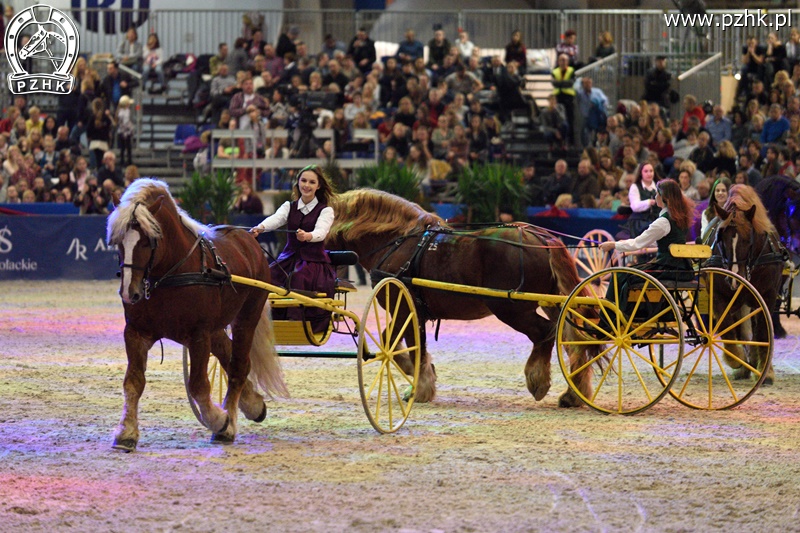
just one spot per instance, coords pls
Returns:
(5, 243)
(41, 39)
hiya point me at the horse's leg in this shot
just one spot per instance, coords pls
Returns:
(213, 417)
(127, 434)
(743, 331)
(251, 403)
(760, 353)
(238, 370)
(540, 332)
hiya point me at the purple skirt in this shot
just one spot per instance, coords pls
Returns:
(292, 273)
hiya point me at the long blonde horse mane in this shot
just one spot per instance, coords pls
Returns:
(369, 211)
(743, 197)
(140, 192)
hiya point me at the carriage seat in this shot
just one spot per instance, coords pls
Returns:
(341, 258)
(690, 251)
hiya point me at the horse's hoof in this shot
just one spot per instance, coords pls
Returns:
(262, 416)
(219, 438)
(124, 445)
(768, 382)
(780, 333)
(741, 373)
(568, 400)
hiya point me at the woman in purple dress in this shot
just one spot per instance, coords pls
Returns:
(304, 264)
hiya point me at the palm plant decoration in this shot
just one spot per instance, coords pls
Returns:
(209, 197)
(485, 189)
(194, 196)
(392, 178)
(223, 196)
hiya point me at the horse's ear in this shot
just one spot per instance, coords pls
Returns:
(792, 194)
(156, 205)
(750, 213)
(721, 213)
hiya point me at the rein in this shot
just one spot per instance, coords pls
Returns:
(771, 251)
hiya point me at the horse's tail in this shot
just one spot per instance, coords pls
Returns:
(563, 267)
(265, 367)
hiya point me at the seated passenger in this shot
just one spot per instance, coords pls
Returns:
(677, 214)
(303, 264)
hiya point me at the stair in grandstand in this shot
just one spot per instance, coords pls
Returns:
(157, 154)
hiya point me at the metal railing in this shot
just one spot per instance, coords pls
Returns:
(703, 80)
(605, 75)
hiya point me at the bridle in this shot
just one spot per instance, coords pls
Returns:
(134, 224)
(771, 250)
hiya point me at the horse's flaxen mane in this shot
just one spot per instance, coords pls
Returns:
(143, 192)
(743, 197)
(368, 211)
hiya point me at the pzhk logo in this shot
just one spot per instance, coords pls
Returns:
(52, 41)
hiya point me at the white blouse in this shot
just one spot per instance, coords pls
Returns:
(281, 217)
(637, 204)
(658, 229)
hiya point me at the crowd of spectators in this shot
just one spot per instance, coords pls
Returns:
(435, 116)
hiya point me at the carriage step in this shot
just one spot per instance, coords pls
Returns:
(328, 355)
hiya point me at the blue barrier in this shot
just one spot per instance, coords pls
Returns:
(74, 247)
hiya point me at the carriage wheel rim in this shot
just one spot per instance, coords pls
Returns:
(389, 410)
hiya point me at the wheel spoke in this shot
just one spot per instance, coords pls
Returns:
(400, 333)
(606, 371)
(590, 362)
(724, 375)
(724, 314)
(396, 394)
(402, 373)
(638, 375)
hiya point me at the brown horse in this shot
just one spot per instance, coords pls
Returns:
(746, 243)
(175, 285)
(389, 235)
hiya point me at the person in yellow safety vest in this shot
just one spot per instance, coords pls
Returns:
(563, 80)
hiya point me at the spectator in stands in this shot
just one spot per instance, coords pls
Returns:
(335, 75)
(554, 123)
(560, 182)
(216, 61)
(392, 84)
(771, 166)
(115, 85)
(569, 47)
(125, 130)
(129, 51)
(109, 170)
(657, 83)
(362, 48)
(689, 166)
(442, 136)
(12, 196)
(585, 182)
(400, 140)
(238, 59)
(458, 148)
(691, 109)
(515, 51)
(223, 87)
(758, 93)
(256, 44)
(703, 155)
(438, 49)
(563, 79)
(478, 141)
(80, 172)
(153, 62)
(462, 81)
(131, 174)
(753, 59)
(7, 123)
(410, 49)
(35, 122)
(604, 48)
(90, 198)
(793, 49)
(775, 56)
(99, 130)
(330, 46)
(464, 45)
(592, 103)
(248, 202)
(746, 165)
(272, 62)
(776, 128)
(48, 159)
(685, 181)
(248, 97)
(719, 126)
(286, 42)
(641, 197)
(725, 159)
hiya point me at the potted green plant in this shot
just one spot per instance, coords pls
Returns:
(485, 189)
(392, 178)
(210, 197)
(194, 196)
(222, 196)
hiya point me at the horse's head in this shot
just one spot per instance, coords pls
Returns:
(137, 252)
(734, 237)
(788, 221)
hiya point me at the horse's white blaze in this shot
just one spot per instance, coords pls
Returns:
(128, 245)
(735, 264)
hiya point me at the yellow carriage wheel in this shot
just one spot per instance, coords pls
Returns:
(217, 378)
(615, 341)
(387, 390)
(590, 259)
(732, 324)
